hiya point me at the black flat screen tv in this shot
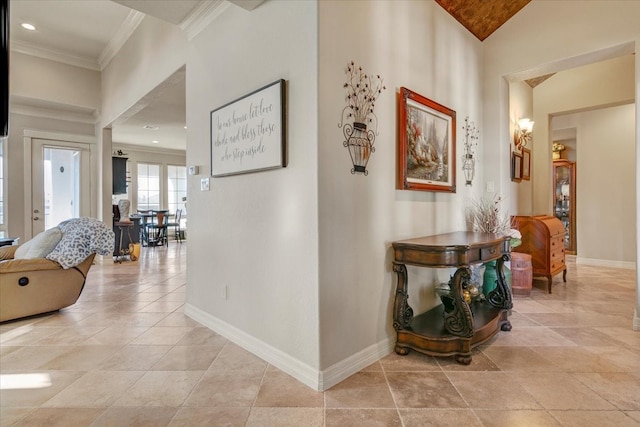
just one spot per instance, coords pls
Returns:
(4, 68)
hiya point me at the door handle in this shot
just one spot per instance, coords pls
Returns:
(35, 218)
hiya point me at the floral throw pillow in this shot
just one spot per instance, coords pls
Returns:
(82, 237)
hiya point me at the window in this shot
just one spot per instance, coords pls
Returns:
(148, 186)
(177, 188)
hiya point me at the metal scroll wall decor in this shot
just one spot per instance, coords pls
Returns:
(359, 123)
(471, 135)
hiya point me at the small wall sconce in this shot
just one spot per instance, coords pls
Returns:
(359, 124)
(522, 134)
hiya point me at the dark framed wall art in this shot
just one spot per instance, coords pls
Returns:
(526, 164)
(516, 166)
(249, 134)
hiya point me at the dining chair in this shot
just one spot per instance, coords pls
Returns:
(145, 221)
(176, 226)
(157, 228)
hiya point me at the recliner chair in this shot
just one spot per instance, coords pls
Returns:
(41, 284)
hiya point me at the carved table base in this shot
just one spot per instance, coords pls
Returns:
(455, 327)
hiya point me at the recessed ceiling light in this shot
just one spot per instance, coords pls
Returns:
(151, 127)
(155, 142)
(185, 127)
(28, 26)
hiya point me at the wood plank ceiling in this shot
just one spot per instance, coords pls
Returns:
(482, 17)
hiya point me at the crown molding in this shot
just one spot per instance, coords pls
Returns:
(115, 44)
(202, 16)
(247, 4)
(146, 149)
(54, 55)
(120, 38)
(52, 110)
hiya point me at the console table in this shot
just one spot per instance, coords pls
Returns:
(454, 327)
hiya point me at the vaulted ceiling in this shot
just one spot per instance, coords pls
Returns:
(482, 17)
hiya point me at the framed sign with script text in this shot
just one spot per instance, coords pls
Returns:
(248, 134)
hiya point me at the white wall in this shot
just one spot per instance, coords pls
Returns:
(38, 81)
(605, 192)
(45, 96)
(575, 33)
(521, 106)
(603, 83)
(419, 46)
(601, 30)
(154, 51)
(257, 233)
(600, 140)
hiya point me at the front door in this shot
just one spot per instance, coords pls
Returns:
(60, 182)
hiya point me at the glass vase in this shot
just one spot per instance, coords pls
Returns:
(491, 277)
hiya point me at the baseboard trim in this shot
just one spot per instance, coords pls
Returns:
(628, 265)
(317, 380)
(299, 370)
(355, 363)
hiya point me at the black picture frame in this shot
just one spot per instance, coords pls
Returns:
(249, 133)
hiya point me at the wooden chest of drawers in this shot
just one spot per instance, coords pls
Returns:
(543, 239)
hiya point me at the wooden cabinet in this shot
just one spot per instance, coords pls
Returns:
(564, 190)
(543, 239)
(456, 326)
(119, 171)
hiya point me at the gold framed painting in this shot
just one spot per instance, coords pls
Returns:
(426, 144)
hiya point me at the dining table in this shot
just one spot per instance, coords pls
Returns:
(146, 220)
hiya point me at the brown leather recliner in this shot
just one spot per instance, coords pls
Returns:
(34, 286)
(45, 279)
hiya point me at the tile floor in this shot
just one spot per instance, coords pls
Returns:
(126, 355)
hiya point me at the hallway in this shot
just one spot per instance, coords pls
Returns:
(126, 355)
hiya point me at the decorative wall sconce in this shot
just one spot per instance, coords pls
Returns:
(359, 124)
(471, 135)
(522, 134)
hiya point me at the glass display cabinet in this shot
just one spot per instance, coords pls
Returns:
(564, 190)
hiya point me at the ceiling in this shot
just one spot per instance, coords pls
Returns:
(482, 17)
(88, 33)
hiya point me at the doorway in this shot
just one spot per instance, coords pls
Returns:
(60, 182)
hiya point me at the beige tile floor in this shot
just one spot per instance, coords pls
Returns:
(126, 355)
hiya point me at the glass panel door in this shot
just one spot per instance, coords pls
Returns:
(60, 183)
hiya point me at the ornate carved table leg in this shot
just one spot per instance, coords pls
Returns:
(458, 319)
(402, 312)
(500, 297)
(463, 360)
